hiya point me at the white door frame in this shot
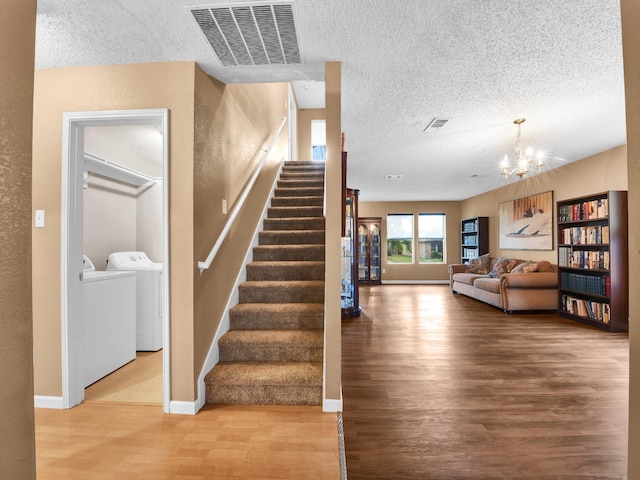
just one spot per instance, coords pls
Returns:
(71, 249)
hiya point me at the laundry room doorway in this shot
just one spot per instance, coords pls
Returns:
(115, 206)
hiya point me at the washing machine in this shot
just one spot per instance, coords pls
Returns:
(109, 320)
(149, 296)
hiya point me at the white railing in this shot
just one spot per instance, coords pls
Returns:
(239, 203)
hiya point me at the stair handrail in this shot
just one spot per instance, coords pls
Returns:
(238, 204)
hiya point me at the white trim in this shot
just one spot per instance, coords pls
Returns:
(44, 401)
(415, 282)
(72, 385)
(331, 404)
(213, 356)
(183, 408)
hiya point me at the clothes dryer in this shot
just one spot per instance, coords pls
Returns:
(149, 296)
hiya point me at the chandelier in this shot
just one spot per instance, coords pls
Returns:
(524, 161)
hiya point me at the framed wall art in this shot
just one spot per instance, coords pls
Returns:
(527, 223)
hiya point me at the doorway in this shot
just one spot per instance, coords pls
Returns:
(91, 130)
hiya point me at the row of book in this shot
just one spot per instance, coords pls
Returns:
(585, 259)
(469, 252)
(584, 210)
(585, 235)
(595, 284)
(470, 226)
(598, 311)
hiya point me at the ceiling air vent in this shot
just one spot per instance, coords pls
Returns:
(250, 34)
(435, 124)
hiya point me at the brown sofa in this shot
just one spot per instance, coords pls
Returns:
(509, 284)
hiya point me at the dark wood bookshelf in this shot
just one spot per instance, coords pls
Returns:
(474, 238)
(593, 260)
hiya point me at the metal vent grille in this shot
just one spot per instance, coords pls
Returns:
(248, 35)
(436, 123)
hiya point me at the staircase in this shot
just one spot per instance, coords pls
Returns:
(273, 351)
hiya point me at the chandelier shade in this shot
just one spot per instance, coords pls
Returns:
(524, 160)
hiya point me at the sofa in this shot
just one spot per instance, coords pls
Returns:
(509, 284)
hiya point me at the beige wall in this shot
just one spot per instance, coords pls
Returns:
(631, 50)
(304, 130)
(598, 173)
(17, 44)
(111, 88)
(234, 125)
(217, 134)
(415, 272)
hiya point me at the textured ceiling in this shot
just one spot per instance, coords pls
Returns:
(479, 63)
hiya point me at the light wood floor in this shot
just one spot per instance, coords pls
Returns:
(139, 381)
(439, 386)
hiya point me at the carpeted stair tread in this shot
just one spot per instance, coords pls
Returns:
(288, 252)
(299, 191)
(286, 270)
(293, 201)
(287, 291)
(288, 212)
(293, 223)
(271, 316)
(269, 373)
(291, 237)
(271, 346)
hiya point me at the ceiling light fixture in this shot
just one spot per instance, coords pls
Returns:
(524, 158)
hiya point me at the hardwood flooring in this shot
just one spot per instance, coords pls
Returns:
(440, 386)
(139, 381)
(435, 386)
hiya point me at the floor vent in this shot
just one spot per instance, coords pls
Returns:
(250, 34)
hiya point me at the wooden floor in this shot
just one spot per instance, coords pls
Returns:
(435, 386)
(439, 386)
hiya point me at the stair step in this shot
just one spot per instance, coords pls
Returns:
(271, 346)
(281, 291)
(290, 212)
(312, 174)
(262, 253)
(304, 165)
(291, 237)
(274, 316)
(294, 223)
(299, 192)
(279, 383)
(302, 201)
(300, 183)
(286, 270)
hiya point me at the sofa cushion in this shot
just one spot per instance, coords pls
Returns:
(468, 278)
(487, 283)
(531, 267)
(479, 264)
(504, 265)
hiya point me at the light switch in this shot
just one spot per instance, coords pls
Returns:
(39, 218)
(224, 206)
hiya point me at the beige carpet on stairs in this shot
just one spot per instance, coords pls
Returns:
(272, 354)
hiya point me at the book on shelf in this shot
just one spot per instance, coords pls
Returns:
(598, 311)
(589, 210)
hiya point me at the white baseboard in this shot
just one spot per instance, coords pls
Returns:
(45, 401)
(415, 282)
(184, 408)
(331, 405)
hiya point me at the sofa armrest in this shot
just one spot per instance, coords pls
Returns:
(530, 280)
(457, 268)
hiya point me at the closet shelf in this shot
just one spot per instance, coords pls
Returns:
(114, 171)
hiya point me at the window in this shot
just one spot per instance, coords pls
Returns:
(318, 140)
(400, 238)
(431, 228)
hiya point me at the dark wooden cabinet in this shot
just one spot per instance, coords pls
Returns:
(593, 260)
(369, 253)
(349, 298)
(474, 238)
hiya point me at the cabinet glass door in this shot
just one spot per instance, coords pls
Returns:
(363, 246)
